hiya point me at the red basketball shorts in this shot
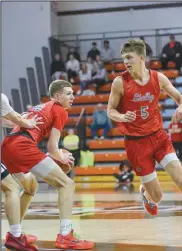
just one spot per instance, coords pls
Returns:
(144, 152)
(20, 154)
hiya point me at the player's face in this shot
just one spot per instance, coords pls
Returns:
(65, 98)
(132, 61)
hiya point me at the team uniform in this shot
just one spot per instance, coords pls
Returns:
(5, 109)
(19, 150)
(145, 139)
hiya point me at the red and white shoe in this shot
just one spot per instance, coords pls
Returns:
(18, 243)
(31, 238)
(150, 207)
(72, 242)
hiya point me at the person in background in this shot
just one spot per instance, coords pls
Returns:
(72, 67)
(85, 77)
(71, 143)
(172, 51)
(125, 174)
(107, 54)
(75, 53)
(93, 52)
(100, 121)
(175, 131)
(149, 53)
(58, 69)
(100, 78)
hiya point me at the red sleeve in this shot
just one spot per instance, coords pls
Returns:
(60, 116)
(170, 126)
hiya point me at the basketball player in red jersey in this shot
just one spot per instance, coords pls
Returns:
(21, 155)
(133, 102)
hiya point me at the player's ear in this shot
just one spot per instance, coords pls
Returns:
(142, 57)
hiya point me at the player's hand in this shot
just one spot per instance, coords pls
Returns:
(178, 113)
(67, 159)
(33, 122)
(129, 117)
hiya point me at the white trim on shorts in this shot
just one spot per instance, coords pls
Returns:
(3, 168)
(148, 177)
(167, 159)
(43, 168)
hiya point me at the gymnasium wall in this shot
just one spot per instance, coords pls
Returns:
(119, 21)
(25, 29)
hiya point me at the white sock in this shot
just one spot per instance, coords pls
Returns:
(15, 230)
(65, 227)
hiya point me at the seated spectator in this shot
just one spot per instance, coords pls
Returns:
(92, 66)
(125, 174)
(93, 52)
(58, 68)
(175, 130)
(148, 52)
(71, 143)
(107, 54)
(75, 53)
(100, 78)
(85, 77)
(87, 157)
(172, 51)
(72, 67)
(100, 121)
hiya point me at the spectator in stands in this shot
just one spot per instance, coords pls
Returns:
(172, 51)
(175, 130)
(71, 143)
(92, 66)
(64, 49)
(75, 53)
(72, 67)
(58, 68)
(93, 52)
(107, 54)
(100, 78)
(85, 77)
(100, 121)
(149, 52)
(125, 174)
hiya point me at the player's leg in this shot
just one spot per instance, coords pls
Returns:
(174, 169)
(12, 199)
(14, 238)
(29, 184)
(144, 167)
(51, 173)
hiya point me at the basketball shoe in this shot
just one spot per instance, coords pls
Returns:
(150, 207)
(70, 241)
(18, 243)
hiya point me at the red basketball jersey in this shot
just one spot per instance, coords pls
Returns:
(144, 101)
(52, 114)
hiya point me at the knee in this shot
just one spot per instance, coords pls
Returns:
(156, 196)
(31, 185)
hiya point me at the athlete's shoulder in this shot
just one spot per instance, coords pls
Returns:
(59, 108)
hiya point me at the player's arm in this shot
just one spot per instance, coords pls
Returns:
(16, 119)
(114, 100)
(172, 92)
(53, 149)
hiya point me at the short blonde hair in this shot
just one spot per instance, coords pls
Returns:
(57, 86)
(134, 45)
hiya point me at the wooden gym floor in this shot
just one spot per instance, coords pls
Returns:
(113, 218)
